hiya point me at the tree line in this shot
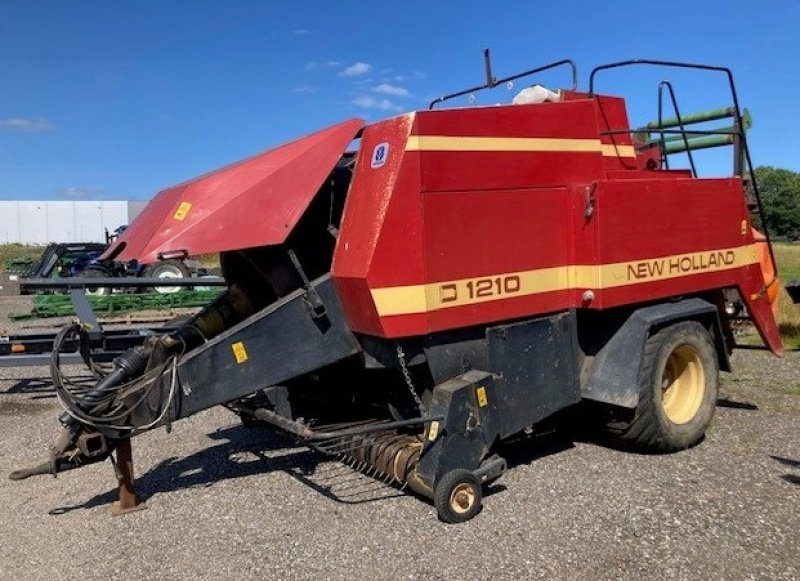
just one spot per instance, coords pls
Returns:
(780, 197)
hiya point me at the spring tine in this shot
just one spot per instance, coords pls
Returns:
(351, 447)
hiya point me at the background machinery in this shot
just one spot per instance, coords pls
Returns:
(83, 260)
(461, 278)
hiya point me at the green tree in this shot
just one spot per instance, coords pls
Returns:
(780, 195)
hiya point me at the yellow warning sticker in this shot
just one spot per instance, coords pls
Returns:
(433, 431)
(482, 399)
(239, 352)
(182, 211)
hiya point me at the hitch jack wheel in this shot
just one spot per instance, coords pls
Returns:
(458, 496)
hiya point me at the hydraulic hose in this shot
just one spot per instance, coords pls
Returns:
(127, 366)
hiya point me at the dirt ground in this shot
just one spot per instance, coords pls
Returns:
(230, 502)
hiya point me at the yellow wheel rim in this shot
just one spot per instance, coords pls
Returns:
(683, 384)
(462, 498)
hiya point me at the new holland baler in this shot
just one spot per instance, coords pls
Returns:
(461, 278)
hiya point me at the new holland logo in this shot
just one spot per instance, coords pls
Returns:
(379, 155)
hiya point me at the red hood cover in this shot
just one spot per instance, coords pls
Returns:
(254, 202)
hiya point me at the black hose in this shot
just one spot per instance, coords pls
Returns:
(93, 403)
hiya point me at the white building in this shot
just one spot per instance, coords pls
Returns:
(40, 223)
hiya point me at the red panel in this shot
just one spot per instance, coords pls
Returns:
(467, 170)
(470, 234)
(637, 293)
(380, 243)
(574, 119)
(662, 174)
(612, 117)
(652, 218)
(255, 202)
(501, 310)
(371, 191)
(487, 170)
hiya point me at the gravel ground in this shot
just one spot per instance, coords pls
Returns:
(230, 502)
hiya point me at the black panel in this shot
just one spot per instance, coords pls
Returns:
(537, 365)
(614, 375)
(465, 435)
(280, 342)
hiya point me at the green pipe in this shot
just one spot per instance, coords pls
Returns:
(698, 143)
(747, 123)
(723, 132)
(712, 115)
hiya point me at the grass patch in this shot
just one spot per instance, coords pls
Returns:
(208, 260)
(787, 255)
(9, 251)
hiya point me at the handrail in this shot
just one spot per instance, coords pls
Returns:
(662, 140)
(492, 82)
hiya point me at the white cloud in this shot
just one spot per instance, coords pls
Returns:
(301, 32)
(334, 64)
(394, 90)
(78, 193)
(305, 88)
(368, 102)
(355, 70)
(30, 125)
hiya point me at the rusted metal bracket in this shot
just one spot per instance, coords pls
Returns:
(124, 469)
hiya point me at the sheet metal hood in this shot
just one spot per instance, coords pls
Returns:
(254, 202)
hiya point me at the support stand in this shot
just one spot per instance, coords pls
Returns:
(127, 494)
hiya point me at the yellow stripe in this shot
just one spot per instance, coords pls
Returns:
(530, 144)
(422, 298)
(614, 150)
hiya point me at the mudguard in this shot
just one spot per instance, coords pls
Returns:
(614, 377)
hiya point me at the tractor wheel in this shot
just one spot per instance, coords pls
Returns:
(678, 386)
(167, 269)
(458, 496)
(96, 272)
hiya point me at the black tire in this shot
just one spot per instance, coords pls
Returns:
(96, 272)
(458, 496)
(678, 387)
(167, 269)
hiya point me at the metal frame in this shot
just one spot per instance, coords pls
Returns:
(37, 348)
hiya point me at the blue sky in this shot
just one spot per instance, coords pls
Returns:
(117, 100)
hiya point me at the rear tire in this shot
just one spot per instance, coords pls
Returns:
(167, 269)
(678, 387)
(96, 272)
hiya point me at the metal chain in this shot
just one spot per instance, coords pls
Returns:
(401, 358)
